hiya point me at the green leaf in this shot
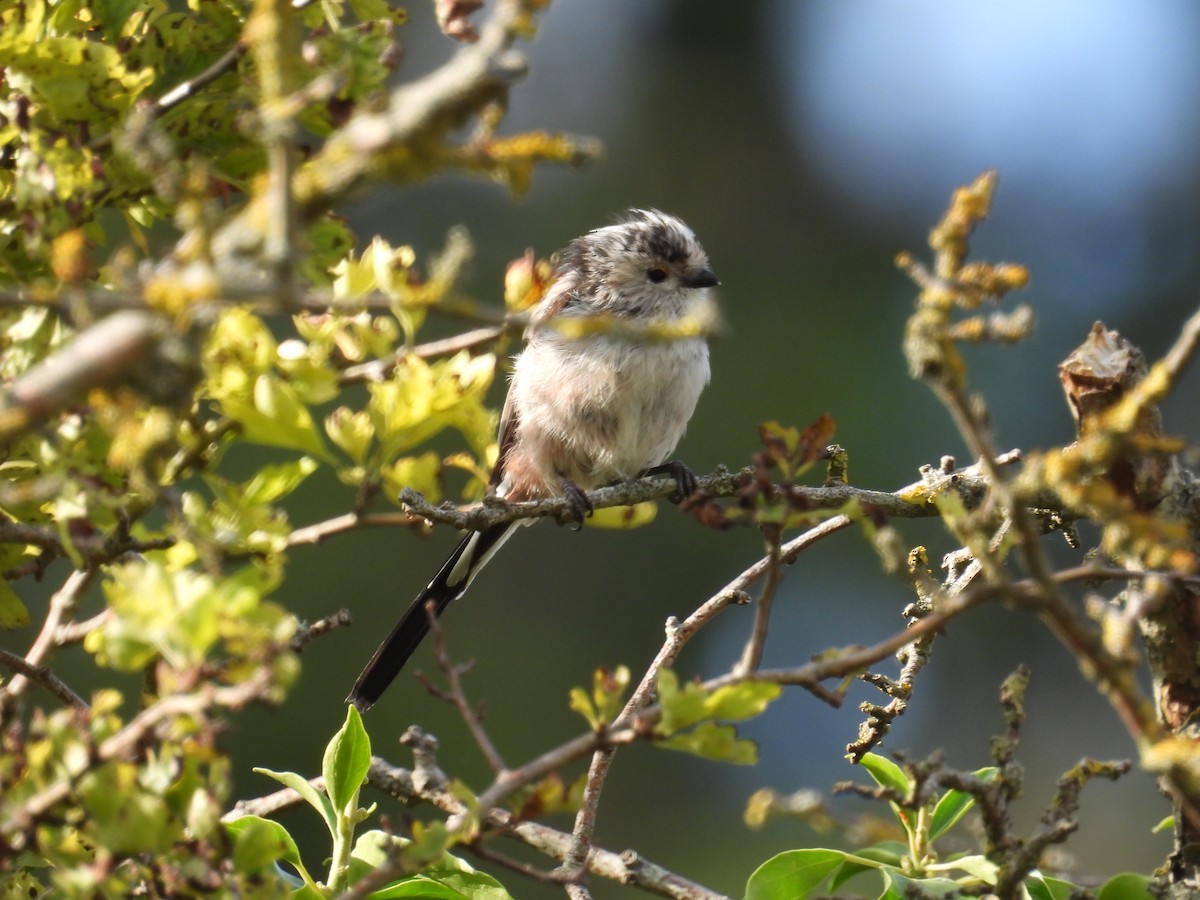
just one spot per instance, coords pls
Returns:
(607, 698)
(1165, 825)
(417, 886)
(951, 807)
(157, 612)
(741, 701)
(452, 879)
(899, 887)
(259, 842)
(1043, 887)
(579, 701)
(713, 741)
(374, 847)
(454, 873)
(886, 773)
(351, 431)
(683, 707)
(886, 853)
(680, 707)
(13, 613)
(274, 416)
(125, 816)
(954, 804)
(114, 13)
(274, 482)
(793, 874)
(314, 798)
(347, 759)
(1126, 886)
(978, 866)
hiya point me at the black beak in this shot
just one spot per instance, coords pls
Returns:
(700, 278)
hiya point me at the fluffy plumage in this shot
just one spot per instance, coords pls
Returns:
(583, 411)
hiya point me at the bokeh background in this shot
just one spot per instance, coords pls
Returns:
(806, 143)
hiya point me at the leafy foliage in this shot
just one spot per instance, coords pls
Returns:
(424, 868)
(140, 142)
(176, 286)
(913, 865)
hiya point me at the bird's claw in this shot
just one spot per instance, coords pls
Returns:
(686, 481)
(577, 499)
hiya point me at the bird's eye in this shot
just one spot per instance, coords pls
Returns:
(657, 275)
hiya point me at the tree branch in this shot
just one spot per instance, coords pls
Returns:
(43, 676)
(118, 348)
(62, 608)
(916, 500)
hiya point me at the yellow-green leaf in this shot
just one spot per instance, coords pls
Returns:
(713, 741)
(13, 613)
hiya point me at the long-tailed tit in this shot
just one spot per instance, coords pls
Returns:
(588, 406)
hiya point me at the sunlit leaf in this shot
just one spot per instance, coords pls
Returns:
(716, 742)
(274, 482)
(792, 875)
(1043, 887)
(885, 853)
(691, 703)
(259, 842)
(318, 800)
(886, 773)
(955, 804)
(347, 759)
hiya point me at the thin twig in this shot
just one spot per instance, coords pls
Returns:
(679, 633)
(74, 632)
(633, 724)
(622, 868)
(107, 353)
(457, 695)
(584, 833)
(319, 628)
(320, 532)
(483, 851)
(182, 91)
(377, 369)
(1182, 351)
(753, 652)
(916, 500)
(43, 676)
(62, 607)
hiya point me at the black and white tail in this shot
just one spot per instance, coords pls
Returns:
(449, 584)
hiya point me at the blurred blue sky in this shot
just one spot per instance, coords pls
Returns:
(1088, 109)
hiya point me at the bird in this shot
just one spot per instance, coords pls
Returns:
(586, 406)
